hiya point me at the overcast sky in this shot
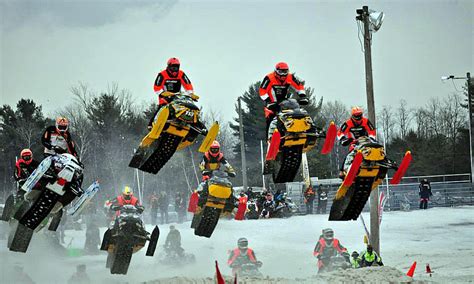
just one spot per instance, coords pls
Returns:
(224, 46)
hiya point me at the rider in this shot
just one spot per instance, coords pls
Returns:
(57, 139)
(126, 198)
(24, 166)
(355, 127)
(275, 88)
(326, 247)
(212, 160)
(173, 241)
(170, 80)
(369, 257)
(241, 255)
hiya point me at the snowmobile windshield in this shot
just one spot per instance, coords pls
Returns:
(220, 178)
(289, 104)
(129, 211)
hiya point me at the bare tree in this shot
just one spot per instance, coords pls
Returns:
(404, 118)
(387, 122)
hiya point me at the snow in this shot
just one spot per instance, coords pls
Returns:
(440, 237)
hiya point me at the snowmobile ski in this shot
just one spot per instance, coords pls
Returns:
(353, 170)
(37, 174)
(80, 203)
(8, 208)
(158, 125)
(106, 240)
(21, 238)
(330, 138)
(397, 177)
(153, 242)
(210, 137)
(274, 146)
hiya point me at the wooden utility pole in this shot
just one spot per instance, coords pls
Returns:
(470, 98)
(363, 16)
(242, 148)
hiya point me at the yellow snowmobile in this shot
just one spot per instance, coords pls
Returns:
(293, 134)
(216, 198)
(175, 127)
(363, 171)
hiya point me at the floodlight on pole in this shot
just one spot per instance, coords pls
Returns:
(375, 20)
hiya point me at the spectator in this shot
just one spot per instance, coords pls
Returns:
(153, 208)
(163, 204)
(322, 199)
(425, 193)
(180, 206)
(309, 196)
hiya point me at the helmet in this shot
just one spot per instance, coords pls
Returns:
(281, 70)
(357, 113)
(62, 124)
(215, 148)
(328, 234)
(26, 155)
(355, 254)
(127, 192)
(370, 249)
(242, 243)
(173, 66)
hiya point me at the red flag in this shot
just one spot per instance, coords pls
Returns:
(193, 201)
(220, 279)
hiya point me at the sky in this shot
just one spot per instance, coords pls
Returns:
(224, 46)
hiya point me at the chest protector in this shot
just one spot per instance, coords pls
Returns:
(213, 163)
(237, 254)
(122, 201)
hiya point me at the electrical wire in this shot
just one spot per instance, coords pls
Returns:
(359, 32)
(455, 87)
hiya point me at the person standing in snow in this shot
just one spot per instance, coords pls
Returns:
(309, 196)
(425, 193)
(322, 199)
(369, 258)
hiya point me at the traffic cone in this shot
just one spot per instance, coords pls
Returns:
(411, 271)
(428, 269)
(220, 279)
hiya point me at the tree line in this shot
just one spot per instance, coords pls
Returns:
(108, 125)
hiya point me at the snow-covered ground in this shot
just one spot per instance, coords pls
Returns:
(442, 237)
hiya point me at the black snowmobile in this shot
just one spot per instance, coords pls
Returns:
(127, 236)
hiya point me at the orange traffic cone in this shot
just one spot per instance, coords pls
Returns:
(411, 271)
(428, 269)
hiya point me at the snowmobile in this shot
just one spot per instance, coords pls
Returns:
(127, 236)
(252, 209)
(284, 207)
(293, 133)
(55, 183)
(215, 199)
(176, 126)
(175, 257)
(334, 262)
(364, 171)
(244, 268)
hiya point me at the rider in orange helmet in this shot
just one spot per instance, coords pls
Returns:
(172, 79)
(275, 88)
(355, 127)
(212, 161)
